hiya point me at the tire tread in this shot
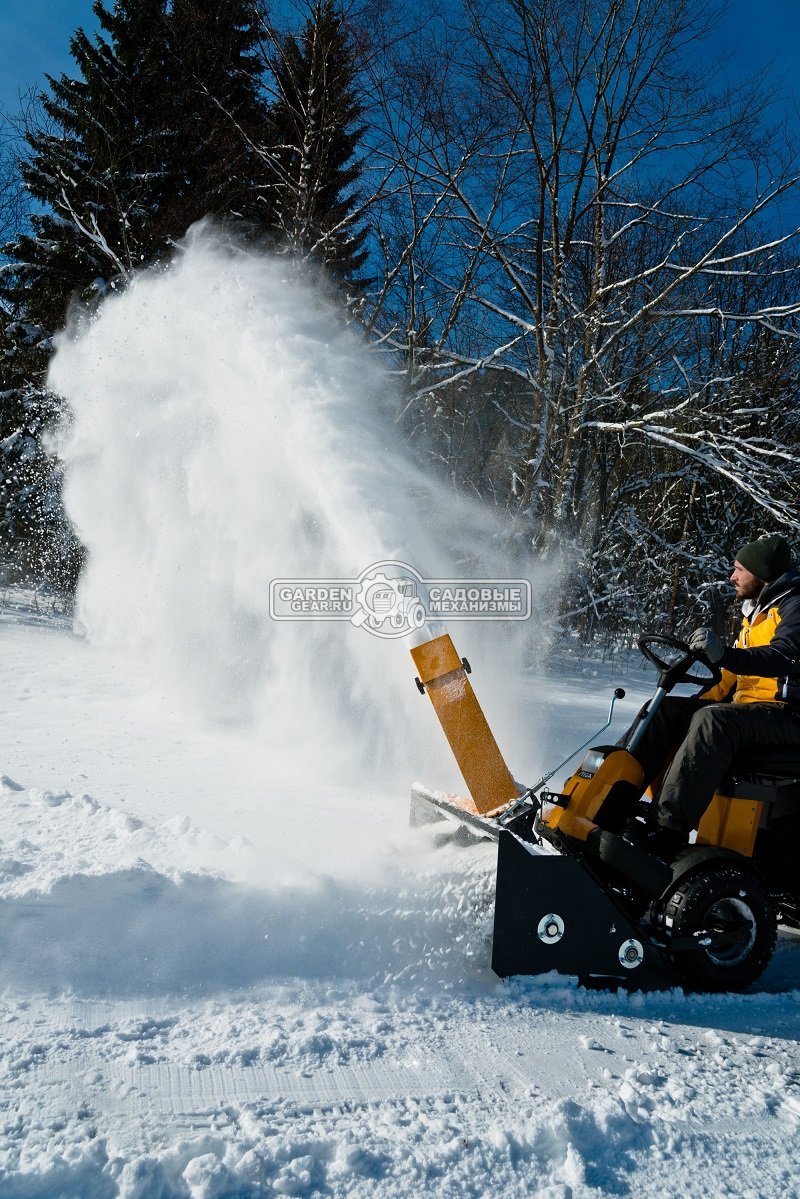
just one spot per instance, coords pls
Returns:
(688, 904)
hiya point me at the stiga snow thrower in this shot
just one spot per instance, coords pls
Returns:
(575, 897)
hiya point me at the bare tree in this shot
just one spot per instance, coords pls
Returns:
(591, 215)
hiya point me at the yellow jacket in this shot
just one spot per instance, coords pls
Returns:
(764, 664)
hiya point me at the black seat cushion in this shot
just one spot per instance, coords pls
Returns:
(782, 761)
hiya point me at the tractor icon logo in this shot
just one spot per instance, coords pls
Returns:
(389, 605)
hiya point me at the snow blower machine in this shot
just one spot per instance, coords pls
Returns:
(576, 898)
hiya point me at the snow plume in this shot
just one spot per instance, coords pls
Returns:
(227, 430)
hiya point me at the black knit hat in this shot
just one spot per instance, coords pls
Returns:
(767, 558)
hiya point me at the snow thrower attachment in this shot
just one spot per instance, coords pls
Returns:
(575, 896)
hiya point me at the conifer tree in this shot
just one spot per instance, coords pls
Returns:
(96, 163)
(93, 167)
(157, 131)
(159, 127)
(313, 143)
(218, 115)
(36, 542)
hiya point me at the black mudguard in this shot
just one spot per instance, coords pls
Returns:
(551, 914)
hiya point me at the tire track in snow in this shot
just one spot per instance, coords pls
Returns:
(488, 1055)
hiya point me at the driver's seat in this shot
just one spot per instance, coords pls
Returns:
(781, 760)
(757, 790)
(768, 770)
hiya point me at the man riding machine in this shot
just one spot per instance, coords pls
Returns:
(754, 708)
(705, 910)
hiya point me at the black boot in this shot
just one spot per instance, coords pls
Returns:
(617, 806)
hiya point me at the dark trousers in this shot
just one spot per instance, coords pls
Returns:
(708, 736)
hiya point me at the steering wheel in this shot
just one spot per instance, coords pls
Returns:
(671, 656)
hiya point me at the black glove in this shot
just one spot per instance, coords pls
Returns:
(706, 643)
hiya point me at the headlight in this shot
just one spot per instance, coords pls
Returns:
(592, 761)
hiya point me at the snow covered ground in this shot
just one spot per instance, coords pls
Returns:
(225, 974)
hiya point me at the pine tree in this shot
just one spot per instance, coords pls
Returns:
(96, 165)
(218, 116)
(35, 540)
(160, 127)
(314, 141)
(94, 170)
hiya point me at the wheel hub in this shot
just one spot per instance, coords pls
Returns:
(732, 928)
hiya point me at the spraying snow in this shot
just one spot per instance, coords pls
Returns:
(228, 430)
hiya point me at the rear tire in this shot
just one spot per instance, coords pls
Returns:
(717, 897)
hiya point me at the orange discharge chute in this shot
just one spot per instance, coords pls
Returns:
(443, 675)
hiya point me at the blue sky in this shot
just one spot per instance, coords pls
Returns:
(34, 37)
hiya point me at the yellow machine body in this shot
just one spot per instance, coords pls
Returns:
(443, 676)
(588, 789)
(729, 822)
